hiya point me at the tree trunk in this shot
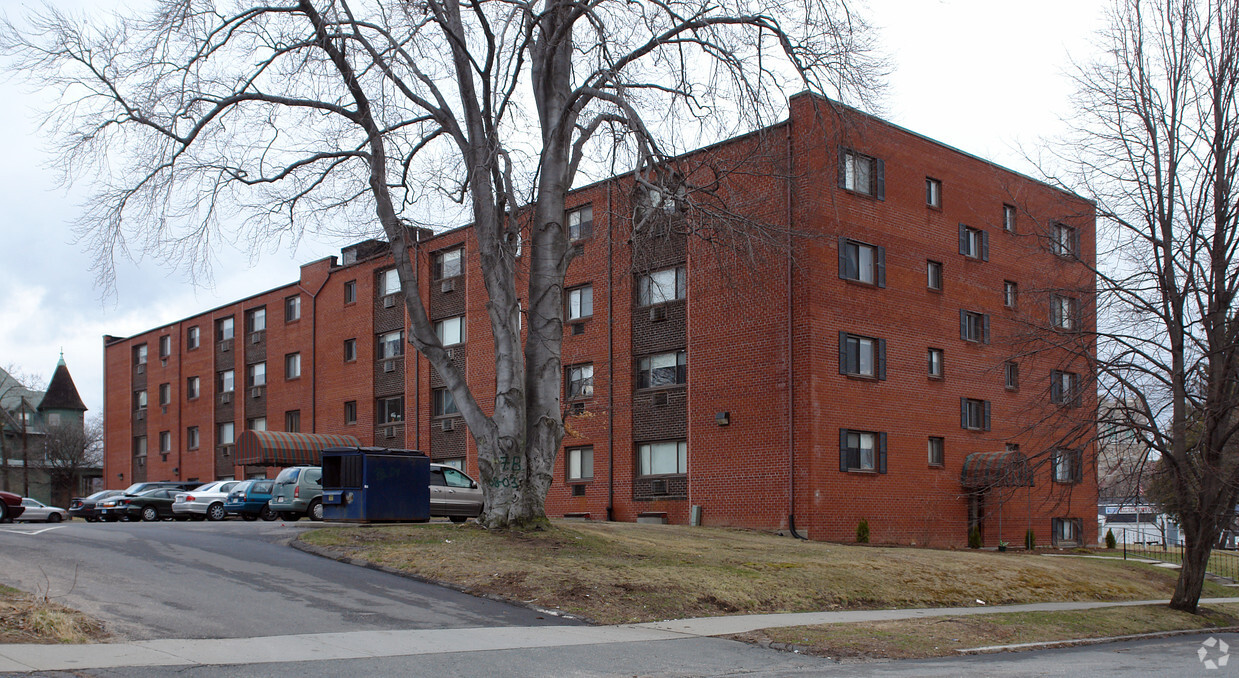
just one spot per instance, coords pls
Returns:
(1187, 589)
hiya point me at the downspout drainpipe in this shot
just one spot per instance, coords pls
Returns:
(791, 373)
(610, 360)
(314, 350)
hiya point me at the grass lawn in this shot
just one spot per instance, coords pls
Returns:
(627, 572)
(31, 619)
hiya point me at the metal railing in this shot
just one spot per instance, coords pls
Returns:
(1221, 562)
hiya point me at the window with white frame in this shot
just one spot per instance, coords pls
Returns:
(391, 344)
(933, 275)
(444, 403)
(862, 262)
(935, 363)
(350, 350)
(256, 424)
(580, 302)
(165, 346)
(350, 292)
(660, 287)
(192, 438)
(973, 242)
(350, 412)
(937, 455)
(225, 433)
(578, 381)
(663, 369)
(193, 388)
(974, 326)
(1064, 240)
(861, 173)
(226, 383)
(933, 192)
(1008, 218)
(256, 374)
(1011, 375)
(292, 308)
(862, 450)
(1064, 312)
(389, 282)
(139, 446)
(1067, 466)
(1066, 531)
(139, 355)
(193, 337)
(1064, 388)
(581, 223)
(224, 328)
(451, 331)
(292, 366)
(390, 410)
(663, 458)
(165, 394)
(862, 356)
(580, 463)
(974, 414)
(1010, 293)
(448, 263)
(165, 442)
(292, 421)
(256, 319)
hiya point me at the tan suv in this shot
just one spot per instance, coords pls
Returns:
(453, 494)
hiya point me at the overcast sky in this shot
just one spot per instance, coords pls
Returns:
(989, 77)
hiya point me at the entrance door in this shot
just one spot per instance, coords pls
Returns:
(976, 513)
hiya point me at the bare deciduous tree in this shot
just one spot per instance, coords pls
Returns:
(68, 451)
(315, 115)
(1158, 128)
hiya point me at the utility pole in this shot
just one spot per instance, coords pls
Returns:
(25, 414)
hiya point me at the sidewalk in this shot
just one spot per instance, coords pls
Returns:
(374, 644)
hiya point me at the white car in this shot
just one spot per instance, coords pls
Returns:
(205, 500)
(38, 511)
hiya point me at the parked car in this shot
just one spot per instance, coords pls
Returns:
(204, 501)
(150, 505)
(252, 500)
(453, 494)
(138, 488)
(10, 506)
(87, 508)
(298, 491)
(38, 511)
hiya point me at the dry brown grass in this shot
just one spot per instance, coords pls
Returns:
(626, 572)
(943, 636)
(33, 619)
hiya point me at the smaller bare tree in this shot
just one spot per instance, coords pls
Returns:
(69, 451)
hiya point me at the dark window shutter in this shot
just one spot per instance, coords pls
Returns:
(1056, 386)
(1075, 241)
(880, 265)
(881, 359)
(881, 453)
(843, 259)
(986, 426)
(963, 324)
(984, 246)
(963, 413)
(1077, 316)
(843, 353)
(843, 169)
(963, 239)
(985, 328)
(1077, 459)
(843, 449)
(879, 180)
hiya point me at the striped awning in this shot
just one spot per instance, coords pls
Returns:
(983, 470)
(277, 448)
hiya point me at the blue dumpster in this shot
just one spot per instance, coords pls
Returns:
(375, 484)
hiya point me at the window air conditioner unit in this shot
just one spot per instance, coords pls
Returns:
(225, 450)
(389, 301)
(163, 362)
(447, 286)
(658, 486)
(389, 365)
(163, 409)
(141, 369)
(448, 424)
(578, 328)
(256, 338)
(451, 353)
(578, 490)
(225, 398)
(225, 346)
(389, 431)
(660, 399)
(256, 392)
(658, 313)
(141, 414)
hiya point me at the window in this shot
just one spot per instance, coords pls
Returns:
(660, 287)
(225, 433)
(935, 363)
(936, 456)
(448, 264)
(165, 442)
(580, 463)
(139, 446)
(862, 356)
(193, 388)
(256, 375)
(933, 274)
(165, 394)
(1064, 313)
(391, 344)
(1010, 293)
(665, 458)
(139, 400)
(578, 381)
(1064, 388)
(974, 414)
(973, 243)
(53, 419)
(224, 329)
(1067, 466)
(292, 308)
(165, 346)
(292, 366)
(292, 421)
(192, 440)
(1011, 375)
(389, 282)
(256, 424)
(193, 337)
(862, 451)
(390, 410)
(139, 355)
(226, 383)
(1065, 240)
(974, 326)
(256, 319)
(663, 369)
(581, 223)
(1008, 218)
(350, 412)
(350, 350)
(581, 302)
(862, 174)
(451, 331)
(444, 403)
(1066, 531)
(862, 263)
(933, 192)
(350, 292)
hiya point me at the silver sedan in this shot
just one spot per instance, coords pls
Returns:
(40, 512)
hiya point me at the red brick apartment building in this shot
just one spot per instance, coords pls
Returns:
(917, 363)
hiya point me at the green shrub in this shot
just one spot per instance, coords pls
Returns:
(974, 537)
(1111, 542)
(1030, 540)
(862, 531)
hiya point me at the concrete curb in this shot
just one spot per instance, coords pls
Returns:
(1051, 644)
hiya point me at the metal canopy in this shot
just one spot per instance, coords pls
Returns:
(277, 448)
(983, 470)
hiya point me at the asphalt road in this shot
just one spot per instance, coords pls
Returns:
(230, 579)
